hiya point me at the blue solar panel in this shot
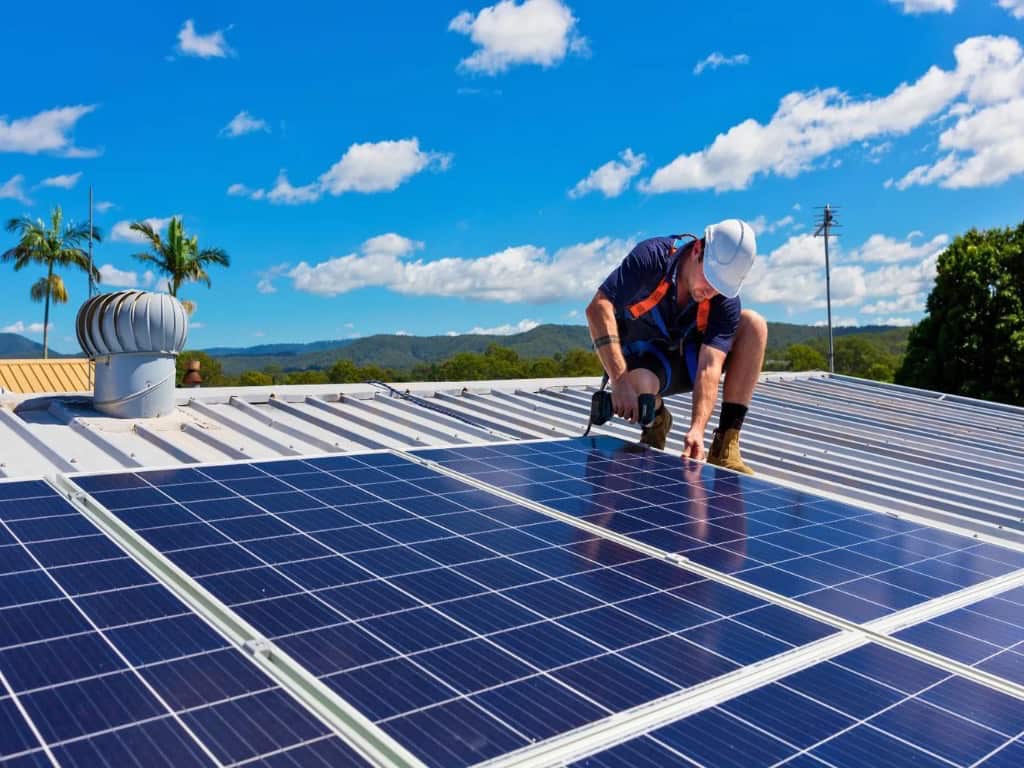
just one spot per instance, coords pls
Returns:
(988, 634)
(870, 706)
(464, 625)
(111, 669)
(855, 564)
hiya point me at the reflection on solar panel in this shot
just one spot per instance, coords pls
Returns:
(465, 626)
(988, 635)
(102, 665)
(870, 706)
(852, 563)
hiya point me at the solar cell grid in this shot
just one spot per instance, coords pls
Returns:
(988, 635)
(112, 669)
(869, 706)
(853, 563)
(377, 593)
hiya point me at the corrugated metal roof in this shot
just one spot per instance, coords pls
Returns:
(949, 459)
(46, 376)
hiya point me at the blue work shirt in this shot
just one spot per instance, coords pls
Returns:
(638, 276)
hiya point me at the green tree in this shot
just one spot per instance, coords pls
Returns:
(255, 379)
(803, 357)
(856, 356)
(307, 377)
(179, 257)
(971, 341)
(343, 372)
(56, 246)
(581, 362)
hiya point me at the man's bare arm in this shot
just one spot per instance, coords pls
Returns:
(604, 331)
(705, 392)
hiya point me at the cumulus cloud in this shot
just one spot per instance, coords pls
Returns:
(65, 181)
(508, 33)
(717, 59)
(244, 123)
(118, 278)
(808, 126)
(268, 276)
(212, 45)
(14, 189)
(103, 206)
(1014, 7)
(926, 6)
(507, 329)
(21, 327)
(371, 167)
(122, 232)
(904, 322)
(881, 276)
(47, 131)
(612, 178)
(762, 226)
(524, 273)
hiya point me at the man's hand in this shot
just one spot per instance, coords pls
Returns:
(624, 398)
(693, 445)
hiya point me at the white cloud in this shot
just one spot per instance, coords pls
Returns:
(103, 206)
(283, 193)
(838, 322)
(122, 232)
(519, 273)
(808, 126)
(880, 249)
(717, 59)
(904, 322)
(507, 329)
(118, 278)
(926, 6)
(259, 334)
(192, 326)
(267, 277)
(572, 313)
(371, 167)
(211, 45)
(244, 123)
(47, 131)
(14, 189)
(762, 226)
(402, 333)
(20, 327)
(1014, 7)
(66, 181)
(510, 33)
(793, 275)
(612, 178)
(877, 151)
(381, 166)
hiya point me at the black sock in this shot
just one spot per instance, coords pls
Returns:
(732, 416)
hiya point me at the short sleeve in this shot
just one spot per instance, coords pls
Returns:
(640, 272)
(723, 320)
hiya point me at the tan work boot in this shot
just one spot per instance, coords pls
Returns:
(656, 433)
(725, 451)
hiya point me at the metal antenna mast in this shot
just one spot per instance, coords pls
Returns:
(826, 222)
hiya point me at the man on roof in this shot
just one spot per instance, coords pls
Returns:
(669, 320)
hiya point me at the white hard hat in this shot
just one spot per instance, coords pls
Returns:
(729, 249)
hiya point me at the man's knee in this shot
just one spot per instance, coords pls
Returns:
(752, 324)
(645, 382)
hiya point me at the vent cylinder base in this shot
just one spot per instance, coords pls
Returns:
(135, 386)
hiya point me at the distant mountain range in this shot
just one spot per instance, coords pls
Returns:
(405, 352)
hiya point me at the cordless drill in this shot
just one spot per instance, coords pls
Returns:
(601, 408)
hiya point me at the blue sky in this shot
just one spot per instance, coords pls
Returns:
(449, 166)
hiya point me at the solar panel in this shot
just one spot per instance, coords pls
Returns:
(464, 625)
(988, 634)
(101, 665)
(870, 706)
(853, 563)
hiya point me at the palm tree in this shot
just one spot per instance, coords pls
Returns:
(56, 246)
(179, 257)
